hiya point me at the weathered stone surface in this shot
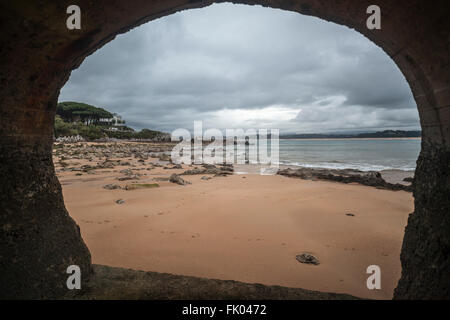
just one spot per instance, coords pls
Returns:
(118, 283)
(37, 54)
(222, 170)
(307, 258)
(130, 177)
(369, 178)
(426, 247)
(38, 238)
(174, 178)
(112, 187)
(138, 186)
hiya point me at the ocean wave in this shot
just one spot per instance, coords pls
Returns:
(342, 165)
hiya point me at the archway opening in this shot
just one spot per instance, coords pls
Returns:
(40, 238)
(262, 73)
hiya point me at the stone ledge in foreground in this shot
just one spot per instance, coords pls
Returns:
(118, 283)
(366, 178)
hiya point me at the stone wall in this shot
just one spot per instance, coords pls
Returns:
(37, 54)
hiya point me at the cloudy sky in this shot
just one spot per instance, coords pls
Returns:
(236, 66)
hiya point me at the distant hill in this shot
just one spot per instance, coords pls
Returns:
(76, 111)
(379, 134)
(92, 123)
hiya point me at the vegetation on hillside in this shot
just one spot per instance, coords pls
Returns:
(74, 118)
(81, 112)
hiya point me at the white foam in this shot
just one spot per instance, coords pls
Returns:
(341, 166)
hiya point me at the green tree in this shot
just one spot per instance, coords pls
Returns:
(75, 111)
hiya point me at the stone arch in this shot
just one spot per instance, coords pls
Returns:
(37, 53)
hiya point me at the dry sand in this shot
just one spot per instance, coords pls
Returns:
(243, 227)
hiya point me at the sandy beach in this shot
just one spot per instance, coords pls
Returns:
(244, 227)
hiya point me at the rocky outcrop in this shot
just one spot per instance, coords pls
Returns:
(425, 253)
(221, 170)
(39, 239)
(370, 178)
(112, 187)
(107, 151)
(174, 178)
(128, 175)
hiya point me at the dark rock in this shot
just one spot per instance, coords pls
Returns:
(111, 283)
(39, 238)
(164, 157)
(174, 178)
(111, 187)
(131, 177)
(370, 178)
(307, 259)
(425, 254)
(217, 171)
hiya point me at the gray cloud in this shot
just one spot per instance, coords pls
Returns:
(246, 66)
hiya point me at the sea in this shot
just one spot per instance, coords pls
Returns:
(360, 154)
(395, 159)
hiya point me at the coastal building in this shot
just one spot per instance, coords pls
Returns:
(116, 123)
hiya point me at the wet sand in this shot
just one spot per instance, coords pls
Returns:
(241, 227)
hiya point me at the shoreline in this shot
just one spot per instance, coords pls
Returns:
(390, 175)
(246, 227)
(358, 139)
